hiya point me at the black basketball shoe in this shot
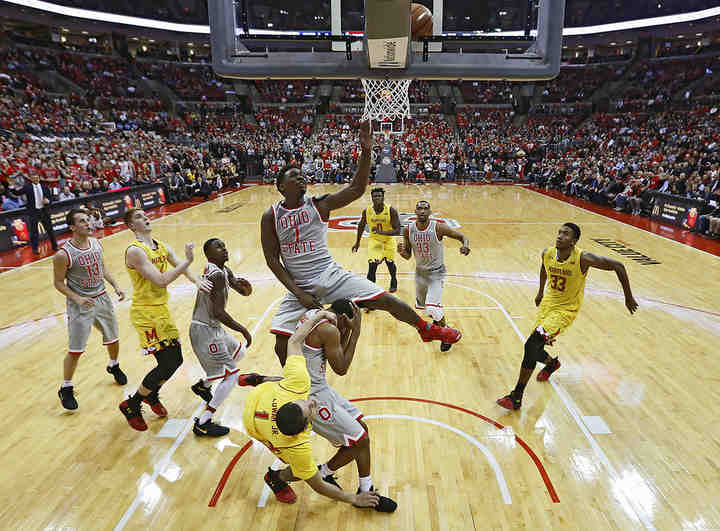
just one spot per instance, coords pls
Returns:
(386, 505)
(67, 397)
(117, 373)
(209, 429)
(203, 392)
(330, 479)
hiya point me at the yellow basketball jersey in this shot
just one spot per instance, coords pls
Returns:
(565, 281)
(145, 292)
(381, 221)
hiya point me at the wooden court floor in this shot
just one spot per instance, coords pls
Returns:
(624, 436)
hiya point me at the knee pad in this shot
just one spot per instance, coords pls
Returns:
(534, 350)
(372, 271)
(169, 360)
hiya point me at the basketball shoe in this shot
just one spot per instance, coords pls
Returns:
(202, 391)
(67, 397)
(393, 285)
(283, 492)
(510, 401)
(209, 429)
(117, 373)
(252, 379)
(330, 479)
(439, 333)
(153, 400)
(386, 505)
(544, 374)
(133, 414)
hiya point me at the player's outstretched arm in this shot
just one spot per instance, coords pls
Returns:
(357, 186)
(201, 283)
(588, 260)
(404, 248)
(443, 230)
(271, 251)
(136, 258)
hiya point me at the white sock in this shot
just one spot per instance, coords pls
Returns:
(206, 415)
(112, 363)
(326, 471)
(223, 389)
(365, 484)
(66, 383)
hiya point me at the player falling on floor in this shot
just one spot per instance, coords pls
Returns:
(295, 245)
(423, 238)
(566, 265)
(384, 224)
(148, 263)
(217, 350)
(80, 274)
(280, 416)
(338, 420)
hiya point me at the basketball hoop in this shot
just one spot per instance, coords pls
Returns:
(386, 100)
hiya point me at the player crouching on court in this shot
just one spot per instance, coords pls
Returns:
(214, 347)
(279, 415)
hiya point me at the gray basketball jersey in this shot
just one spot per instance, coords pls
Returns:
(85, 274)
(303, 242)
(315, 359)
(428, 250)
(203, 312)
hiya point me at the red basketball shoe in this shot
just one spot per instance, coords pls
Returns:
(439, 333)
(153, 400)
(544, 374)
(133, 416)
(283, 492)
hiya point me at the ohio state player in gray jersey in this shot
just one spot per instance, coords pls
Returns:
(424, 238)
(217, 351)
(294, 240)
(80, 274)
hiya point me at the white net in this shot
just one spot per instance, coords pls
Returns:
(386, 99)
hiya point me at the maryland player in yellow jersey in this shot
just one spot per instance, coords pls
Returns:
(148, 263)
(279, 415)
(384, 224)
(566, 267)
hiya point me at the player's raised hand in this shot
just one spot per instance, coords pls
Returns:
(366, 141)
(189, 254)
(355, 247)
(465, 250)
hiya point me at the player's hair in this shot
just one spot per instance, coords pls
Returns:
(422, 201)
(129, 214)
(342, 307)
(280, 176)
(70, 218)
(574, 228)
(207, 244)
(377, 191)
(290, 419)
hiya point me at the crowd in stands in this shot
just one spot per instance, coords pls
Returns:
(284, 91)
(111, 137)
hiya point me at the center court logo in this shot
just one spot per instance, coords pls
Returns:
(350, 223)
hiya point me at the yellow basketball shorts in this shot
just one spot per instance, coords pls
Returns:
(379, 249)
(154, 326)
(550, 323)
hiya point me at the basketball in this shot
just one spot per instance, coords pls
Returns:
(422, 23)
